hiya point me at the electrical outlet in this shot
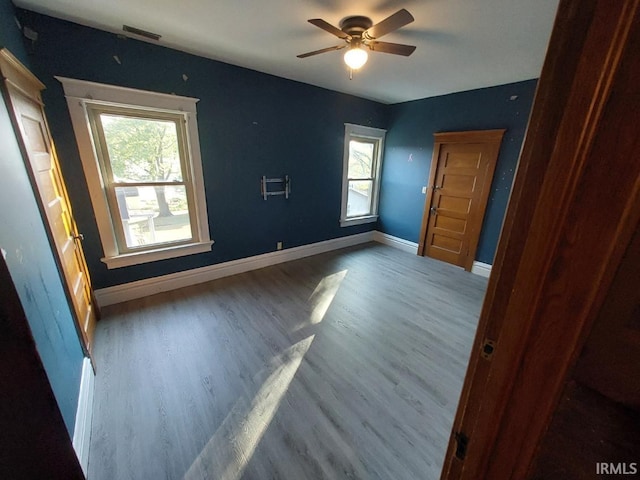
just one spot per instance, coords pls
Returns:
(424, 189)
(279, 246)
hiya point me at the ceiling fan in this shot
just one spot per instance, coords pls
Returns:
(359, 33)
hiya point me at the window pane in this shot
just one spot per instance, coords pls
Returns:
(359, 198)
(154, 215)
(360, 159)
(141, 149)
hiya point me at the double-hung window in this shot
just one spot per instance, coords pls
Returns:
(141, 159)
(361, 174)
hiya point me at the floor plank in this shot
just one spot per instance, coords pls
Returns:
(347, 364)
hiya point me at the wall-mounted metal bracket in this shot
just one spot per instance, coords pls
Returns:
(285, 185)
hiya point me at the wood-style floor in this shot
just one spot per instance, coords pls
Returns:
(345, 365)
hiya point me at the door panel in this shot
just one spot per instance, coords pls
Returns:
(453, 205)
(462, 159)
(23, 90)
(33, 130)
(461, 174)
(450, 223)
(458, 181)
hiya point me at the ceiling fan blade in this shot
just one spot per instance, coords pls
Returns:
(316, 52)
(388, 25)
(395, 48)
(326, 26)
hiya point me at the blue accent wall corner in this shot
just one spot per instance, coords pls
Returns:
(409, 148)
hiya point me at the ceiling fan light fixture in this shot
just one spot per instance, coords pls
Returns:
(355, 57)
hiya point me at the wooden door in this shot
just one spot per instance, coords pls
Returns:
(461, 173)
(22, 92)
(574, 207)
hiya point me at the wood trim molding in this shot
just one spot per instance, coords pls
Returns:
(165, 283)
(471, 136)
(142, 288)
(84, 415)
(377, 135)
(396, 242)
(482, 269)
(561, 243)
(19, 77)
(85, 97)
(83, 89)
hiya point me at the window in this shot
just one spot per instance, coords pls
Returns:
(141, 158)
(363, 148)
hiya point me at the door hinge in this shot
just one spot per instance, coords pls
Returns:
(462, 441)
(488, 347)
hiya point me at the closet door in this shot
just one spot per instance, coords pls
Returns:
(22, 92)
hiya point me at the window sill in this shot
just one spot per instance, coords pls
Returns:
(358, 220)
(128, 259)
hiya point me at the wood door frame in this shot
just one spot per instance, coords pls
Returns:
(560, 245)
(15, 76)
(489, 137)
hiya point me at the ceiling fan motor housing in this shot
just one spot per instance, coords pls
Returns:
(355, 25)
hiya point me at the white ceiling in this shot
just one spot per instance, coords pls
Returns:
(461, 44)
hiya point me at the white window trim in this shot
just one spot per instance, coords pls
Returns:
(352, 130)
(79, 93)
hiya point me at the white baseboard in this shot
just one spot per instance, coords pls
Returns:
(482, 269)
(479, 268)
(395, 242)
(172, 281)
(84, 414)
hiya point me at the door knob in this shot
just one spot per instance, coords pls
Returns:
(433, 210)
(78, 236)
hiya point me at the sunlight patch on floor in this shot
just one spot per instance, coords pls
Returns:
(228, 452)
(323, 295)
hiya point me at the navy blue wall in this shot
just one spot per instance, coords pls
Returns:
(10, 35)
(250, 124)
(28, 255)
(409, 146)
